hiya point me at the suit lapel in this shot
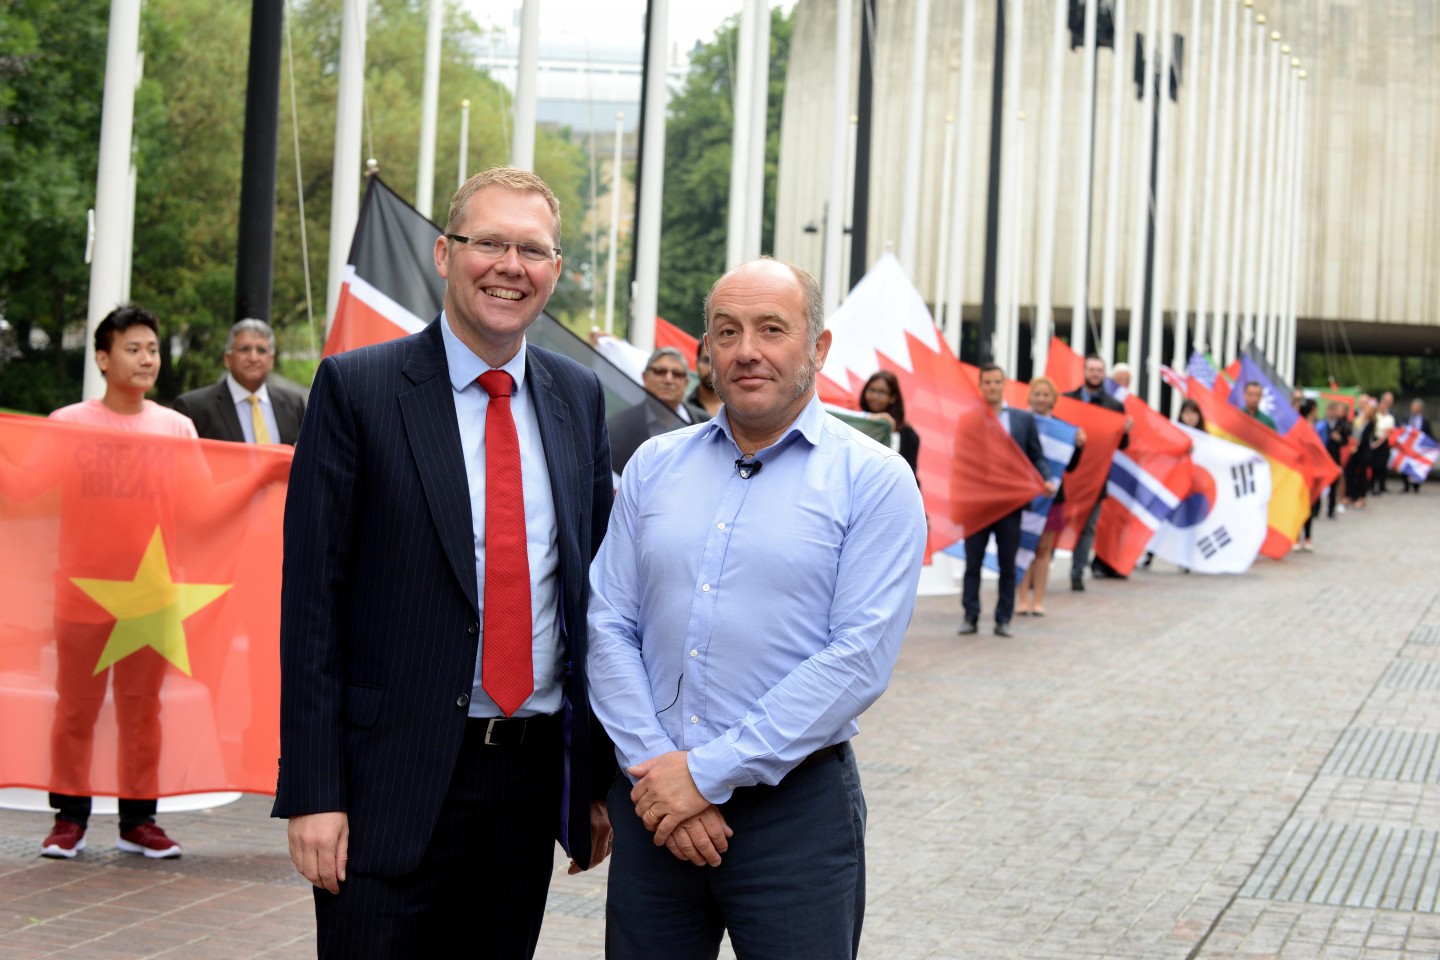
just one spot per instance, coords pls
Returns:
(553, 414)
(428, 410)
(227, 414)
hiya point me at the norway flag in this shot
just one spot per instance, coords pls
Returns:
(1147, 482)
(971, 472)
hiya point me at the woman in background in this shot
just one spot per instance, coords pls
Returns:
(881, 398)
(1031, 599)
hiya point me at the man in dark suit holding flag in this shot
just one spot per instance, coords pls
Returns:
(1021, 427)
(448, 494)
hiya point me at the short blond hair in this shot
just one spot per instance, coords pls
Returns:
(1044, 381)
(511, 178)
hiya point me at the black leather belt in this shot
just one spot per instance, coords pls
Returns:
(821, 754)
(513, 731)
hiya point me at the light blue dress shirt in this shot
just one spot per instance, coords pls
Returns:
(751, 621)
(241, 398)
(542, 548)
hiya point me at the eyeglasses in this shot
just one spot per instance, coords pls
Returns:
(662, 373)
(494, 248)
(248, 348)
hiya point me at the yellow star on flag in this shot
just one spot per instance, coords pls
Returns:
(150, 610)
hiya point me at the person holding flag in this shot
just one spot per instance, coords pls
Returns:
(1021, 427)
(1418, 423)
(1093, 391)
(1037, 574)
(127, 351)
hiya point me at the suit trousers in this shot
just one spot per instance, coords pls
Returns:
(1080, 558)
(792, 884)
(1007, 544)
(480, 889)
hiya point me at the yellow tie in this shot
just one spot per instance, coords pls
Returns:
(262, 435)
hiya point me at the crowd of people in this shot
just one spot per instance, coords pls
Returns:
(1357, 439)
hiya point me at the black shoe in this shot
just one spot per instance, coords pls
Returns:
(968, 627)
(1077, 584)
(1003, 630)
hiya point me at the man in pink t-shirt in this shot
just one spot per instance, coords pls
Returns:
(127, 350)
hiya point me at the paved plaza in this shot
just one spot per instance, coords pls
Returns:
(1172, 766)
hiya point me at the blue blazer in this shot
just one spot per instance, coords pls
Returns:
(379, 614)
(1024, 432)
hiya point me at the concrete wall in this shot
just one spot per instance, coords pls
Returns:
(1372, 161)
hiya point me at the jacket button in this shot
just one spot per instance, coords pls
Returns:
(473, 629)
(463, 700)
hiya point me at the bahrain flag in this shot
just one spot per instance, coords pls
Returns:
(971, 473)
(139, 627)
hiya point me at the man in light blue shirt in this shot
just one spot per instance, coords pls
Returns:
(747, 605)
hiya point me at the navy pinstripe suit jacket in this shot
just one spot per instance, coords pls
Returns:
(379, 614)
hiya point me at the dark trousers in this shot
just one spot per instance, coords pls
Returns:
(1080, 558)
(792, 884)
(480, 889)
(1333, 495)
(1007, 544)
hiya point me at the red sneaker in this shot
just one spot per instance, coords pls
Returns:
(66, 839)
(149, 840)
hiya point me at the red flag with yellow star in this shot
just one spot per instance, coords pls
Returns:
(139, 611)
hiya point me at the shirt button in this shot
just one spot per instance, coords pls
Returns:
(463, 700)
(694, 653)
(694, 719)
(473, 629)
(706, 588)
(720, 526)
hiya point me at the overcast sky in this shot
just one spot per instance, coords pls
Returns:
(690, 20)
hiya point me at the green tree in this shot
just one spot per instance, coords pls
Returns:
(697, 169)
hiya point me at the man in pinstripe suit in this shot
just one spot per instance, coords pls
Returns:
(423, 811)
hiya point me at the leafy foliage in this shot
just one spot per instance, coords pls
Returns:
(697, 170)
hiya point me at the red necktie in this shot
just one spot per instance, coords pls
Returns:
(505, 666)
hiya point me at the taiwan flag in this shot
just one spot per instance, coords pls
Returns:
(139, 633)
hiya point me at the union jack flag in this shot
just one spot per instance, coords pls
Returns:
(1412, 453)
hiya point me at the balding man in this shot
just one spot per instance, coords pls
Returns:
(747, 605)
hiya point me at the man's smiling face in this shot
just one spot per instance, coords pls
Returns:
(491, 301)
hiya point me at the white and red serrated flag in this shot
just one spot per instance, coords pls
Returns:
(1221, 524)
(1412, 453)
(971, 473)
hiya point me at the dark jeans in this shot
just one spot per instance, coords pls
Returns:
(480, 888)
(1007, 543)
(792, 884)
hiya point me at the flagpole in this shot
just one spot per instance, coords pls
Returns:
(1220, 289)
(1185, 246)
(345, 196)
(612, 251)
(759, 128)
(1268, 207)
(1139, 240)
(1080, 244)
(117, 121)
(1237, 219)
(833, 270)
(1008, 349)
(647, 239)
(527, 69)
(1254, 187)
(960, 185)
(942, 255)
(743, 102)
(907, 251)
(429, 103)
(1007, 309)
(461, 176)
(1279, 259)
(1291, 312)
(1113, 195)
(1207, 190)
(1050, 185)
(1159, 259)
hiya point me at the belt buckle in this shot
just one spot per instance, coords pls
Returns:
(490, 729)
